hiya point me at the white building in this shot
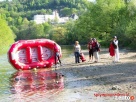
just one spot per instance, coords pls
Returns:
(39, 19)
(74, 16)
(63, 19)
(45, 18)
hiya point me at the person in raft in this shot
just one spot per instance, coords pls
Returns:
(57, 55)
(114, 49)
(90, 48)
(77, 51)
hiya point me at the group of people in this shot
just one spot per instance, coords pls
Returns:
(94, 49)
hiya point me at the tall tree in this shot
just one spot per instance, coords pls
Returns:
(6, 35)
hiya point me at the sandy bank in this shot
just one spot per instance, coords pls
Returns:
(85, 81)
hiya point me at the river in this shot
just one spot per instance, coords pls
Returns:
(25, 86)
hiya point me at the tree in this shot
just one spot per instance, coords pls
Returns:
(58, 34)
(6, 35)
(103, 20)
(37, 31)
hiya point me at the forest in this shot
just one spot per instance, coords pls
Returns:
(101, 19)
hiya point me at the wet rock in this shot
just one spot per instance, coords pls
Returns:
(116, 87)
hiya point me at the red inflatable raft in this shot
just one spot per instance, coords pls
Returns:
(29, 54)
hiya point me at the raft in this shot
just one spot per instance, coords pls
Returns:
(36, 53)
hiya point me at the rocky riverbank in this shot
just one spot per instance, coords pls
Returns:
(104, 81)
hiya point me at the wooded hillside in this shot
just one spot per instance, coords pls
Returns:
(101, 19)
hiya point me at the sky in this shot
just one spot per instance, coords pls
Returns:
(88, 0)
(5, 0)
(92, 0)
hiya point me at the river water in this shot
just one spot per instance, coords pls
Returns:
(30, 86)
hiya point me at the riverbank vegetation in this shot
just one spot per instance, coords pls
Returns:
(101, 19)
(6, 36)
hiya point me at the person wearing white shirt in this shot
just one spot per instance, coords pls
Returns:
(116, 49)
(77, 50)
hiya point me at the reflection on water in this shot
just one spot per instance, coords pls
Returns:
(27, 86)
(28, 83)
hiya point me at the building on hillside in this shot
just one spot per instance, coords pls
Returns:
(45, 18)
(39, 19)
(74, 16)
(63, 19)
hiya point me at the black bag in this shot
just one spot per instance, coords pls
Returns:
(114, 45)
(97, 47)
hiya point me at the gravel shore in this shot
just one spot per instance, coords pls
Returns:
(104, 81)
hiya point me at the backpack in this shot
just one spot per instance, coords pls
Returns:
(114, 45)
(97, 47)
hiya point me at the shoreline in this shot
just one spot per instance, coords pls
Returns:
(88, 78)
(89, 82)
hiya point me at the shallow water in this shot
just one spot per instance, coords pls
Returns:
(24, 86)
(30, 86)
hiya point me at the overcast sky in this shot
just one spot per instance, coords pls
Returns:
(91, 0)
(5, 0)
